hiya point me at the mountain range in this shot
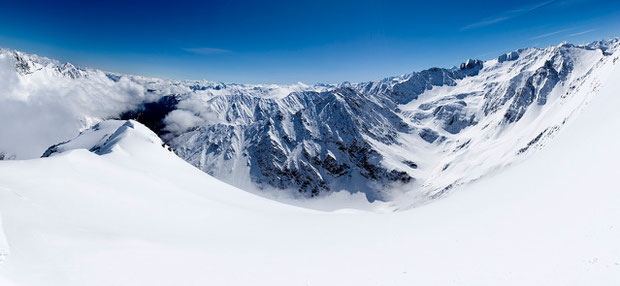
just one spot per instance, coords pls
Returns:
(405, 139)
(117, 202)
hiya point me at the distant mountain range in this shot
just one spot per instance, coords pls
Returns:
(417, 135)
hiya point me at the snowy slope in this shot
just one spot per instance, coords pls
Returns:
(403, 139)
(139, 215)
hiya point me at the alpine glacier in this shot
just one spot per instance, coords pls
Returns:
(401, 139)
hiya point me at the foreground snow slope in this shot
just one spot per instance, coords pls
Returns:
(139, 215)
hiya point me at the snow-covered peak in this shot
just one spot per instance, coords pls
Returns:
(108, 136)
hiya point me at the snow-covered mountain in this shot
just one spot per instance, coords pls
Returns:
(115, 207)
(416, 135)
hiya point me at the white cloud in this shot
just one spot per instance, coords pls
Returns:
(207, 51)
(549, 34)
(506, 15)
(179, 121)
(581, 33)
(52, 108)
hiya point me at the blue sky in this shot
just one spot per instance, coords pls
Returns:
(294, 41)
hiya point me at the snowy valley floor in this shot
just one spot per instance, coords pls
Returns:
(141, 216)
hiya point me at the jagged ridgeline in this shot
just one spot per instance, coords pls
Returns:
(426, 131)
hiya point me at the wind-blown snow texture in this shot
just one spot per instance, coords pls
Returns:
(426, 131)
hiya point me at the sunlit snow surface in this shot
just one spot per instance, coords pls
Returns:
(139, 215)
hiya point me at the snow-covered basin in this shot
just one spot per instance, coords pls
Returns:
(141, 216)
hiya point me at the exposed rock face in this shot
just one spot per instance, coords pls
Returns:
(418, 83)
(4, 156)
(308, 141)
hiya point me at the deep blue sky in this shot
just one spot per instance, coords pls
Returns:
(291, 41)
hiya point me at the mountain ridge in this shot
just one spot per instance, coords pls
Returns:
(141, 215)
(412, 132)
